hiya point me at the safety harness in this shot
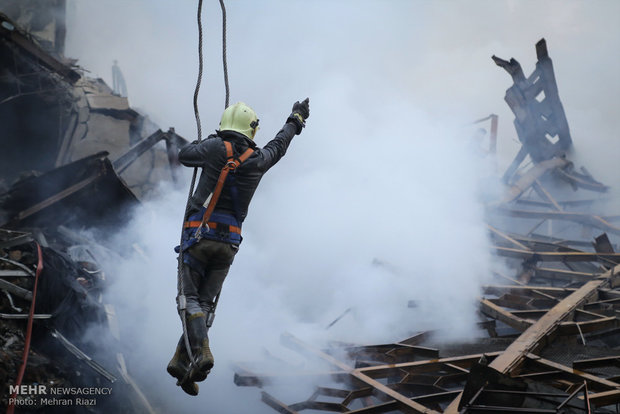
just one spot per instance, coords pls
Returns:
(217, 226)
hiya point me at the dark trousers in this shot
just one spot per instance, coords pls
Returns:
(201, 286)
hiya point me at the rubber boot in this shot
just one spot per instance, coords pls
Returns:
(177, 367)
(190, 388)
(197, 330)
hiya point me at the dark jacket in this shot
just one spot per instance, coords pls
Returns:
(210, 155)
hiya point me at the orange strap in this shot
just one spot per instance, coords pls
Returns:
(231, 165)
(212, 224)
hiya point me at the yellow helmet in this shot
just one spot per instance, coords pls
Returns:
(240, 118)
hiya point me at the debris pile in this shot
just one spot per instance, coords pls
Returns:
(53, 115)
(76, 157)
(551, 323)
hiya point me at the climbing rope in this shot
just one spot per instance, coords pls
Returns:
(224, 52)
(181, 300)
(198, 81)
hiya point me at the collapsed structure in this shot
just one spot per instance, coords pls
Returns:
(75, 156)
(552, 326)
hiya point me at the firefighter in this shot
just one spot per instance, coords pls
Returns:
(212, 228)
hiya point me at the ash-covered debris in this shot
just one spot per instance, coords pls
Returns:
(53, 115)
(549, 334)
(75, 157)
(79, 192)
(74, 342)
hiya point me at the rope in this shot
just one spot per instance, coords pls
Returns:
(224, 52)
(199, 80)
(181, 301)
(22, 368)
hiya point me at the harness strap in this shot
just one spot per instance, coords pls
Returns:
(231, 165)
(213, 225)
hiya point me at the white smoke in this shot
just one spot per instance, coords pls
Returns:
(381, 174)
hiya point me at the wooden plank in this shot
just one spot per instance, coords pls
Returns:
(597, 362)
(500, 289)
(528, 179)
(547, 272)
(602, 399)
(593, 380)
(276, 404)
(543, 193)
(401, 400)
(507, 237)
(574, 328)
(379, 371)
(245, 378)
(574, 256)
(376, 409)
(535, 336)
(15, 290)
(490, 309)
(57, 197)
(13, 273)
(581, 218)
(16, 238)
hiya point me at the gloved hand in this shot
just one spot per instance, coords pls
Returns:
(301, 111)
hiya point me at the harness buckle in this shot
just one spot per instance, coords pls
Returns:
(198, 233)
(232, 165)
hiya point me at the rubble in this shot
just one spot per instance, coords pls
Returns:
(76, 157)
(69, 305)
(551, 324)
(80, 156)
(65, 116)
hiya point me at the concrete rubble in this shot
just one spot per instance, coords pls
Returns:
(76, 157)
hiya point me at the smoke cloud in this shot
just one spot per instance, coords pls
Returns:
(376, 202)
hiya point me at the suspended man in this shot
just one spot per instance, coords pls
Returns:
(232, 166)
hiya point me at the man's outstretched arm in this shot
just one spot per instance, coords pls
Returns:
(276, 148)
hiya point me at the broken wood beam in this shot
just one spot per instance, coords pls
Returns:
(543, 193)
(528, 179)
(540, 333)
(546, 272)
(581, 218)
(13, 273)
(125, 160)
(15, 290)
(402, 401)
(572, 256)
(536, 336)
(57, 197)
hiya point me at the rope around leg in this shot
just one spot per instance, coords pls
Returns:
(181, 300)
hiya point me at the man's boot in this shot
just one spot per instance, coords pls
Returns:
(177, 367)
(197, 330)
